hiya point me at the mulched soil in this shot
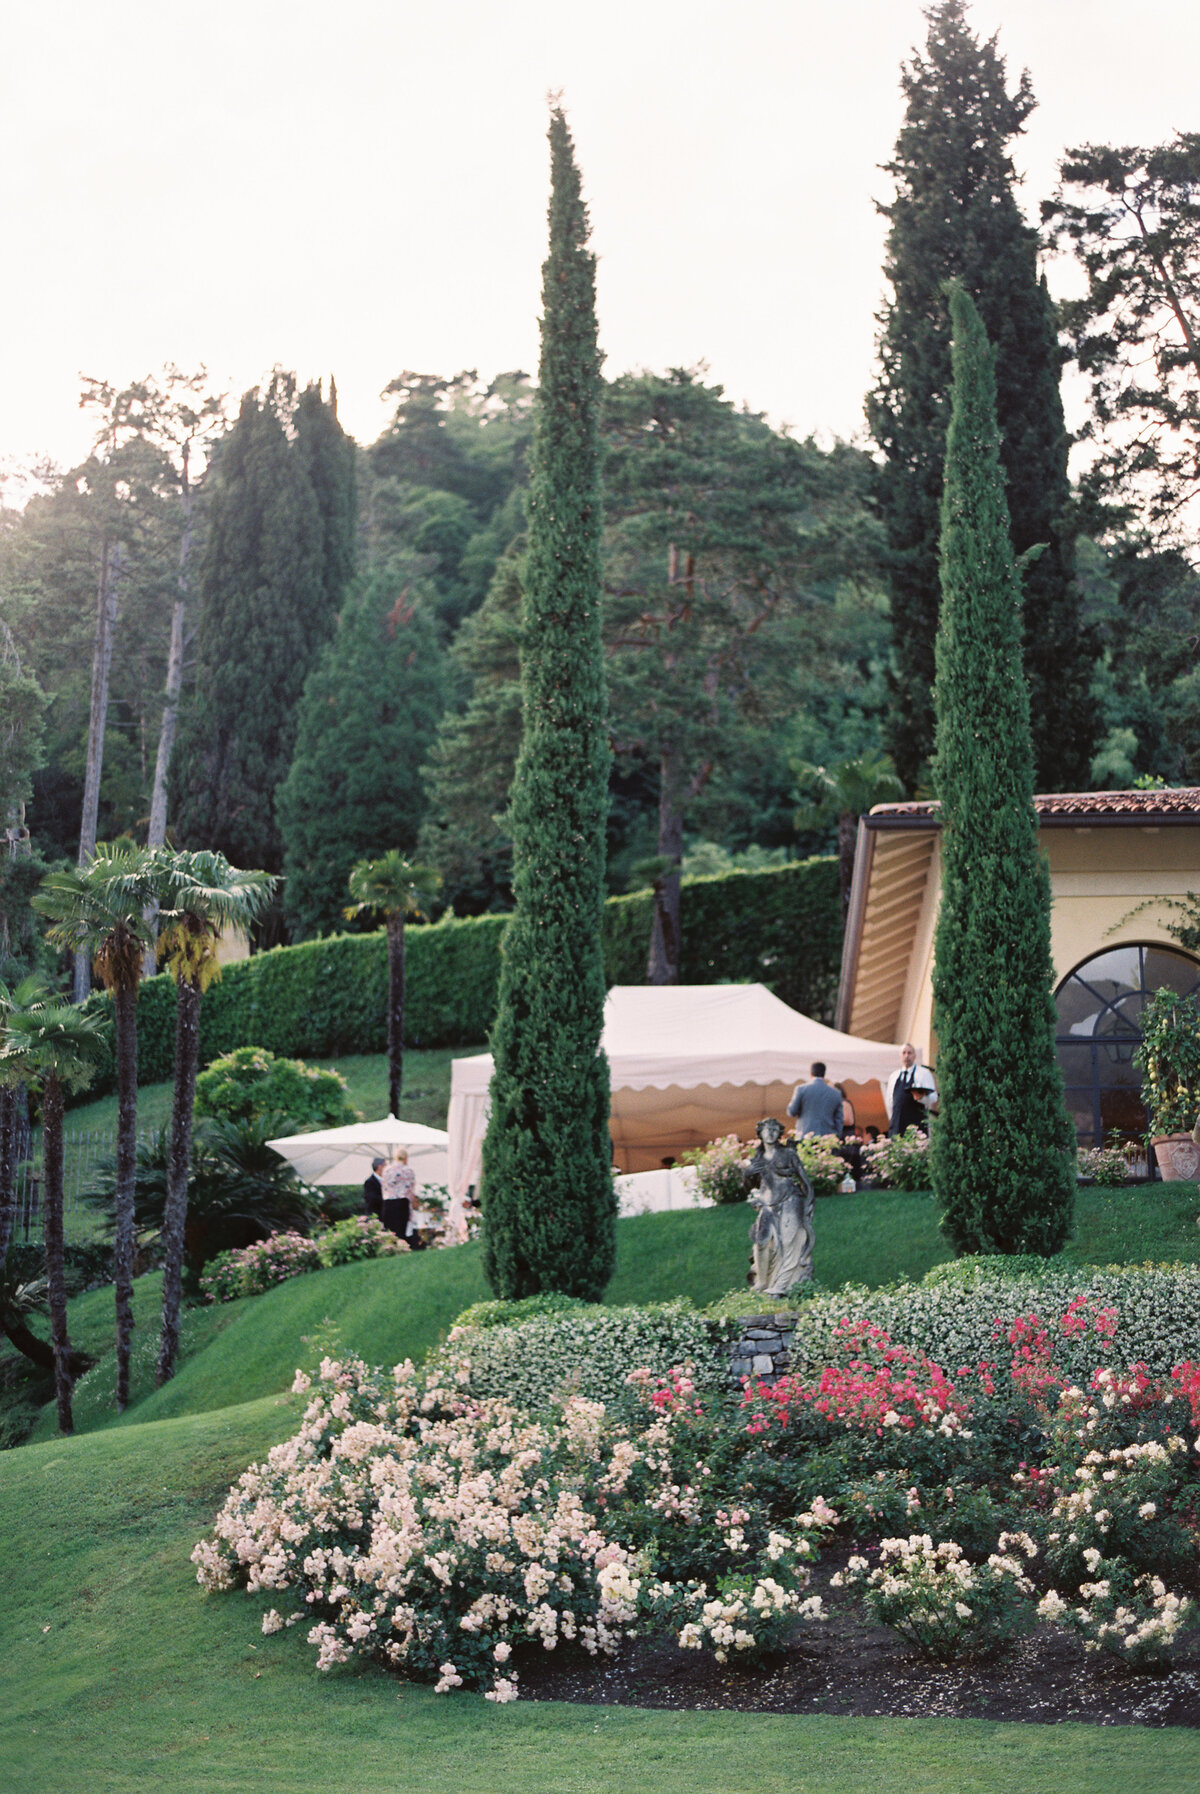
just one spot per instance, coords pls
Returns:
(846, 1667)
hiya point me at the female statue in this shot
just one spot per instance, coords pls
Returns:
(782, 1233)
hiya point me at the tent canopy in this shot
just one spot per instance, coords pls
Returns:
(342, 1155)
(689, 1063)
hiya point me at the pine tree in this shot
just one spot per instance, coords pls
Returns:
(955, 216)
(370, 710)
(1001, 1158)
(548, 1202)
(264, 613)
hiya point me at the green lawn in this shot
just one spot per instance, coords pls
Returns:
(389, 1309)
(117, 1675)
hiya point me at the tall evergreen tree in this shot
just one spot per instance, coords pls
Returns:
(955, 216)
(264, 613)
(370, 710)
(327, 456)
(548, 1202)
(1000, 1157)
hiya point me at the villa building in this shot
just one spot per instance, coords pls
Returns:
(1116, 859)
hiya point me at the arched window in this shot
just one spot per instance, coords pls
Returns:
(1099, 1029)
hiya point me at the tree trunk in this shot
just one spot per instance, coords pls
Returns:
(187, 1055)
(106, 618)
(36, 1350)
(395, 941)
(663, 964)
(125, 1016)
(8, 1165)
(156, 834)
(52, 1219)
(847, 842)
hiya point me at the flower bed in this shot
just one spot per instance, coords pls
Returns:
(444, 1530)
(249, 1270)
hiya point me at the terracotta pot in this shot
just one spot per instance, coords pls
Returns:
(1178, 1157)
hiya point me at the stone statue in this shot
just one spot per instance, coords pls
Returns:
(782, 1234)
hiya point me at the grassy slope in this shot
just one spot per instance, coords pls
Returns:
(396, 1308)
(118, 1676)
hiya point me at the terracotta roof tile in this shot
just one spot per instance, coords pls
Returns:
(1140, 804)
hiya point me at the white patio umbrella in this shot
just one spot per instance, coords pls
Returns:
(342, 1155)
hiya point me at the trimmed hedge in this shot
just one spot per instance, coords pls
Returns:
(781, 927)
(325, 998)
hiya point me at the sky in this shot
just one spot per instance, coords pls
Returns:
(361, 189)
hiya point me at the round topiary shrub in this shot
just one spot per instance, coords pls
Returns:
(250, 1083)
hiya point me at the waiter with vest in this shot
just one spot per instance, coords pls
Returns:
(911, 1094)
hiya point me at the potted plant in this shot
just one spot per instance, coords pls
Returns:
(1169, 1061)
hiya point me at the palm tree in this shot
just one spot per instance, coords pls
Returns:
(844, 790)
(395, 889)
(200, 897)
(98, 909)
(28, 994)
(54, 1046)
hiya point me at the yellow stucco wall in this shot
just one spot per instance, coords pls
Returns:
(1097, 876)
(233, 944)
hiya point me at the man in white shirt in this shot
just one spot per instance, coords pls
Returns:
(911, 1094)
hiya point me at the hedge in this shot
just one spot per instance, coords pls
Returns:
(782, 928)
(326, 998)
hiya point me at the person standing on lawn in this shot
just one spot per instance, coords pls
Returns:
(911, 1094)
(373, 1190)
(399, 1182)
(817, 1106)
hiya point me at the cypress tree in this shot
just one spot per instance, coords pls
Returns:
(548, 1201)
(370, 710)
(263, 615)
(1001, 1155)
(955, 216)
(326, 454)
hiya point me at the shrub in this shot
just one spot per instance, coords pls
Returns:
(437, 1532)
(899, 1406)
(1169, 1061)
(945, 1606)
(358, 1237)
(720, 1169)
(250, 1270)
(819, 1155)
(589, 1350)
(250, 1084)
(903, 1162)
(1104, 1165)
(959, 1313)
(1136, 1618)
(524, 1308)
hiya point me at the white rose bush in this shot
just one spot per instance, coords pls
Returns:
(409, 1522)
(946, 1606)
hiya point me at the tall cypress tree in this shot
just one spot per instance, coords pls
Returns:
(327, 456)
(264, 613)
(548, 1201)
(1001, 1155)
(955, 216)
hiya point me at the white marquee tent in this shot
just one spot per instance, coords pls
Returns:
(688, 1064)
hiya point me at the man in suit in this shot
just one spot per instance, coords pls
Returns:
(911, 1096)
(817, 1106)
(373, 1190)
